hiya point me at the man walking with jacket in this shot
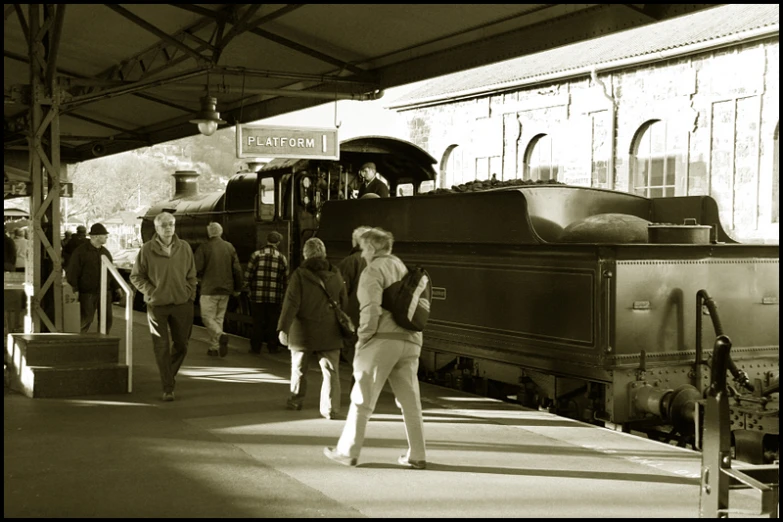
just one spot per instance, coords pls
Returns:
(220, 276)
(165, 273)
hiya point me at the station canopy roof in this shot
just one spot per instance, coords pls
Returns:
(133, 75)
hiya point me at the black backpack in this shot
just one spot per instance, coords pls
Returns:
(409, 299)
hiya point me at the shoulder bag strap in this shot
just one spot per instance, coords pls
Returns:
(332, 302)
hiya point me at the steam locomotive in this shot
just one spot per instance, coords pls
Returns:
(596, 304)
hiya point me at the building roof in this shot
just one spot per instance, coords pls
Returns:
(714, 27)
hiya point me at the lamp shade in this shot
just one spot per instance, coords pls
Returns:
(207, 118)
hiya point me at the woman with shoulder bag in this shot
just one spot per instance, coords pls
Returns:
(309, 326)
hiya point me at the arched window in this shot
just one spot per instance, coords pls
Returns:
(452, 170)
(540, 163)
(776, 176)
(654, 162)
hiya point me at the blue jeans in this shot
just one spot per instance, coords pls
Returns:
(88, 305)
(170, 351)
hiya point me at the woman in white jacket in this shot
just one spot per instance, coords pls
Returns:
(384, 351)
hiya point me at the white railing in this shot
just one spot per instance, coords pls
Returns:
(108, 266)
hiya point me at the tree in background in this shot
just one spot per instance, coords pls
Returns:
(136, 179)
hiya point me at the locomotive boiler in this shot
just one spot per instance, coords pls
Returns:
(596, 304)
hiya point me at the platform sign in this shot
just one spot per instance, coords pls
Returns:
(287, 142)
(25, 188)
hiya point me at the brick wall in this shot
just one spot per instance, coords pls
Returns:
(718, 114)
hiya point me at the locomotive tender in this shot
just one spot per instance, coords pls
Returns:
(610, 330)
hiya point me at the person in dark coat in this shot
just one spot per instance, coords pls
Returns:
(75, 242)
(372, 183)
(220, 276)
(351, 267)
(9, 252)
(84, 275)
(308, 326)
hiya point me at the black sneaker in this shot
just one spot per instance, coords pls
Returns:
(223, 345)
(293, 405)
(212, 353)
(168, 397)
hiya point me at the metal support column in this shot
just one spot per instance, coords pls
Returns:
(45, 28)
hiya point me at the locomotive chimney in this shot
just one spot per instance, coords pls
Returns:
(185, 183)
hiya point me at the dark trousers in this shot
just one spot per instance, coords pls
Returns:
(265, 317)
(88, 305)
(170, 350)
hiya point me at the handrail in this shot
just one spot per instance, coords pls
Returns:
(107, 265)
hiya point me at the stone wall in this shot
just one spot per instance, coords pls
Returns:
(717, 111)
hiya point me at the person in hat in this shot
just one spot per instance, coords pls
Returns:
(372, 183)
(84, 275)
(76, 240)
(266, 278)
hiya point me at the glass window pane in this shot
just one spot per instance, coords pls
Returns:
(426, 186)
(671, 170)
(656, 192)
(495, 168)
(482, 168)
(266, 199)
(656, 172)
(405, 189)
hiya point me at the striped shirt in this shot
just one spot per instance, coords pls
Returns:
(266, 275)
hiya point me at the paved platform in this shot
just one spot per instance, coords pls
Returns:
(227, 447)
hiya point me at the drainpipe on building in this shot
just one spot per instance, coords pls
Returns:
(612, 118)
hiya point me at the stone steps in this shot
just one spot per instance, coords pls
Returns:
(65, 365)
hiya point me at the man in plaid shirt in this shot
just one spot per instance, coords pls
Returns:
(266, 277)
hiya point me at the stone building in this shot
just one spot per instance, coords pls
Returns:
(688, 106)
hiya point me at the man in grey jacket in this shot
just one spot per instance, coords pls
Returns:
(384, 351)
(220, 275)
(165, 273)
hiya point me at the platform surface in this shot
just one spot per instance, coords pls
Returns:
(227, 447)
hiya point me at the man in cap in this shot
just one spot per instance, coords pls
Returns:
(220, 275)
(266, 278)
(75, 242)
(372, 183)
(84, 275)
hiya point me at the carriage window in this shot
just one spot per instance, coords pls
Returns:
(406, 189)
(266, 199)
(426, 186)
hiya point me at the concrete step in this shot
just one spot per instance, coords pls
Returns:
(54, 349)
(72, 381)
(65, 365)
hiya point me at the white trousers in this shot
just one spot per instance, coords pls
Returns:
(374, 363)
(213, 311)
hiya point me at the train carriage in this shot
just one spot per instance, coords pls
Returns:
(607, 327)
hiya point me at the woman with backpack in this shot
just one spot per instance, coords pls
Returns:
(384, 351)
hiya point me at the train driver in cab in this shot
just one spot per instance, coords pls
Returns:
(372, 184)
